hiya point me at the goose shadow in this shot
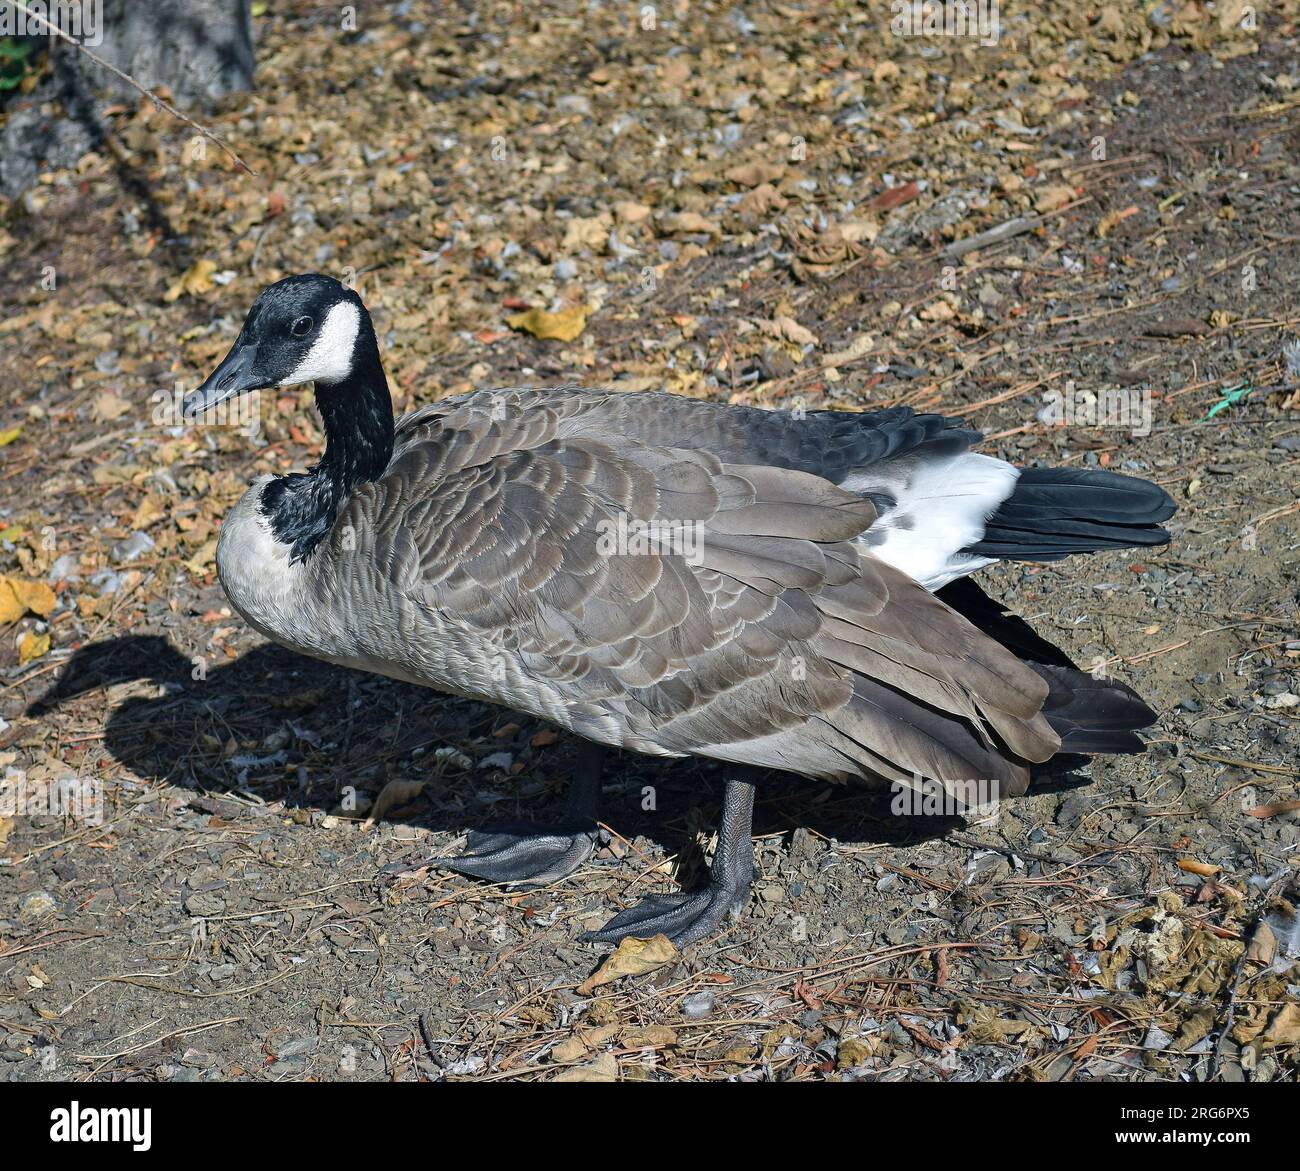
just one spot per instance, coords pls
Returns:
(286, 728)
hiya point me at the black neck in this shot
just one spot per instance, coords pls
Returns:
(358, 418)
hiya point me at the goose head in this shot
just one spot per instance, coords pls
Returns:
(307, 328)
(312, 328)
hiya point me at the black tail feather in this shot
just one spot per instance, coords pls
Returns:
(1093, 715)
(1090, 715)
(1055, 512)
(1012, 631)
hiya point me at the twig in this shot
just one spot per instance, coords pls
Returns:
(1013, 392)
(106, 1058)
(1247, 764)
(1015, 227)
(426, 1035)
(131, 81)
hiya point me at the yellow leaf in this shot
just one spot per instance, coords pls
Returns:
(32, 646)
(7, 437)
(17, 597)
(89, 607)
(196, 280)
(633, 957)
(563, 326)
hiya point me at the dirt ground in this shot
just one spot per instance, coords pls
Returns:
(772, 203)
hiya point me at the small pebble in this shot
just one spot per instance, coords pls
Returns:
(36, 904)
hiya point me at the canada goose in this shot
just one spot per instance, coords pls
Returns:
(810, 612)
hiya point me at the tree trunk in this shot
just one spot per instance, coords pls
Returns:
(199, 50)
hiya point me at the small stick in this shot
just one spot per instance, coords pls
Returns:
(1247, 764)
(1011, 228)
(426, 1035)
(131, 81)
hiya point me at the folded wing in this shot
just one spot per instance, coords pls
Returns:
(669, 600)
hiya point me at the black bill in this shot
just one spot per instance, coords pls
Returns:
(235, 376)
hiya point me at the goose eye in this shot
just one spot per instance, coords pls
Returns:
(301, 327)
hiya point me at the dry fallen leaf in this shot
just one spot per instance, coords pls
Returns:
(648, 1037)
(563, 326)
(1285, 1027)
(204, 559)
(789, 329)
(196, 279)
(895, 196)
(860, 231)
(149, 509)
(603, 1069)
(32, 646)
(690, 222)
(761, 200)
(1263, 945)
(109, 406)
(630, 212)
(938, 311)
(632, 957)
(393, 795)
(857, 348)
(753, 174)
(1054, 195)
(17, 597)
(583, 1042)
(587, 232)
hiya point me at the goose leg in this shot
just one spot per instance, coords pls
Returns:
(692, 915)
(521, 852)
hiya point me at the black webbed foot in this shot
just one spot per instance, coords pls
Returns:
(695, 914)
(524, 853)
(684, 918)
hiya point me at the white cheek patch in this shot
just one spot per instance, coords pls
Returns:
(330, 357)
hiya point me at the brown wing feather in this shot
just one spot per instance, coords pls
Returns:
(772, 640)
